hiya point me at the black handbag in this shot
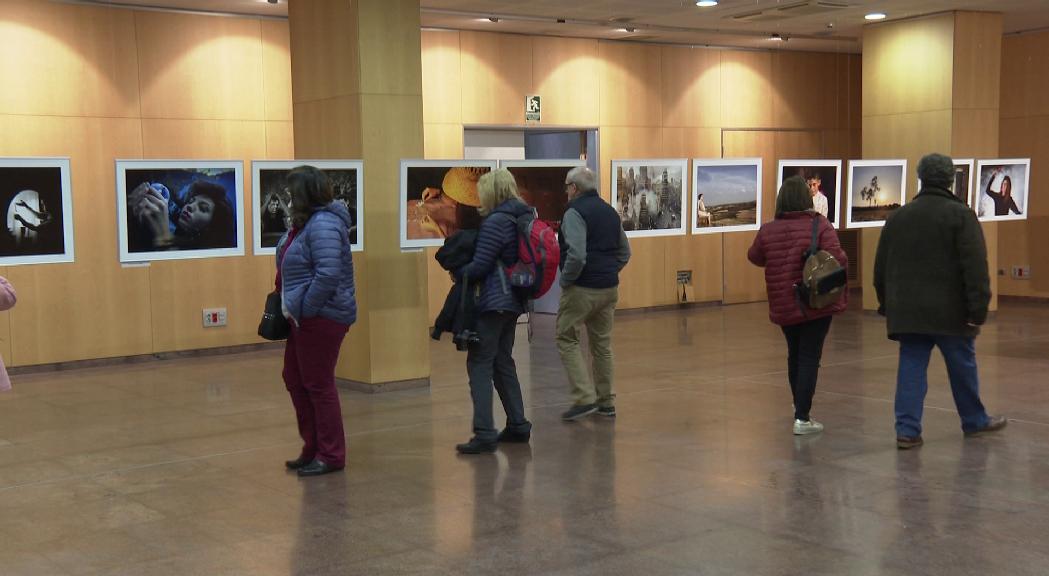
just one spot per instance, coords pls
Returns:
(274, 326)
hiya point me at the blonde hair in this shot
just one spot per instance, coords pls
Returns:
(494, 188)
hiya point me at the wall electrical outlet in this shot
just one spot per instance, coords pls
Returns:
(1022, 272)
(214, 317)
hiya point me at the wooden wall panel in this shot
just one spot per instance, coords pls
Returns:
(442, 79)
(443, 141)
(276, 74)
(388, 36)
(67, 60)
(977, 60)
(691, 90)
(745, 282)
(92, 308)
(1027, 242)
(746, 89)
(180, 290)
(566, 73)
(317, 117)
(910, 63)
(318, 72)
(199, 66)
(280, 140)
(799, 97)
(496, 77)
(631, 77)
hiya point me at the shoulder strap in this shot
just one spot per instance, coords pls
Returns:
(814, 247)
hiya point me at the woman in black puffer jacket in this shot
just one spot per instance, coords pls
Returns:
(490, 361)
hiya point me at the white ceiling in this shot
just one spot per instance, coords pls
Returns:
(829, 25)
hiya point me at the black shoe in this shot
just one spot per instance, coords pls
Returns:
(994, 424)
(317, 468)
(607, 411)
(908, 442)
(297, 463)
(510, 437)
(578, 411)
(475, 446)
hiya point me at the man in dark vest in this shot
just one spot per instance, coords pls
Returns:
(594, 249)
(933, 286)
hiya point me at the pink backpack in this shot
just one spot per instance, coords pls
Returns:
(538, 256)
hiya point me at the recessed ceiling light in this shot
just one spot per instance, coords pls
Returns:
(776, 38)
(493, 19)
(706, 3)
(627, 30)
(875, 16)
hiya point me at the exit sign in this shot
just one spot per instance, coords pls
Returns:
(533, 108)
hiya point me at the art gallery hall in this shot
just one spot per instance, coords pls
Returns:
(166, 392)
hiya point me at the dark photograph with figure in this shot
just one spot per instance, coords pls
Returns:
(272, 201)
(541, 184)
(174, 210)
(36, 210)
(823, 178)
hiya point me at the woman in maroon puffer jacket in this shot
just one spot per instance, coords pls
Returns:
(780, 248)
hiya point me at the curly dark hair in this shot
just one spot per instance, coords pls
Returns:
(221, 232)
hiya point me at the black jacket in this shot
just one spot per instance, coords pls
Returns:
(457, 314)
(930, 272)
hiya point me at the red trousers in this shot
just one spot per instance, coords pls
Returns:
(309, 375)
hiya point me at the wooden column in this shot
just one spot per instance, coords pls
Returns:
(931, 85)
(357, 93)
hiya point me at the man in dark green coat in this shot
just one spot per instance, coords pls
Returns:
(933, 287)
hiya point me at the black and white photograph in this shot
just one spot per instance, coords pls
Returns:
(1002, 189)
(726, 195)
(272, 201)
(650, 196)
(439, 198)
(37, 205)
(823, 178)
(877, 188)
(179, 209)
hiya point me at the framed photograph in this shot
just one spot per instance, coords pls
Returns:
(1002, 189)
(876, 189)
(541, 184)
(824, 180)
(650, 196)
(439, 198)
(179, 209)
(270, 198)
(963, 170)
(37, 204)
(726, 195)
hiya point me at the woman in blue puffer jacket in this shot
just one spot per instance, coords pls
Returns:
(315, 278)
(489, 360)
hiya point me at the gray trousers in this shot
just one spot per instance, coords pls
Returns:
(489, 362)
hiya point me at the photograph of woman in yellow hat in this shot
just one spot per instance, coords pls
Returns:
(439, 198)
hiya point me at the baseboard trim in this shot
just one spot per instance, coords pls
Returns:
(382, 387)
(670, 307)
(143, 358)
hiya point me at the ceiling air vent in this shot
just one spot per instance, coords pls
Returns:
(795, 10)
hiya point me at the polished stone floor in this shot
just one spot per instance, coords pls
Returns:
(174, 468)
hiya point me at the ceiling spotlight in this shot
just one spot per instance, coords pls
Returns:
(628, 30)
(272, 1)
(875, 16)
(561, 20)
(777, 38)
(706, 3)
(493, 19)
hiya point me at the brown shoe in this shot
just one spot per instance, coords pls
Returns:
(994, 424)
(908, 442)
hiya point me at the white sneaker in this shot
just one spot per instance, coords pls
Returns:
(803, 427)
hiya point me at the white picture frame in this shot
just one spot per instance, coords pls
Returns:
(258, 167)
(631, 212)
(742, 174)
(829, 172)
(28, 185)
(131, 171)
(890, 174)
(1017, 169)
(422, 231)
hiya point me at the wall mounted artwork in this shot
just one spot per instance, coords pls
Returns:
(271, 200)
(37, 211)
(439, 198)
(876, 189)
(650, 196)
(541, 184)
(178, 209)
(1002, 189)
(823, 178)
(726, 195)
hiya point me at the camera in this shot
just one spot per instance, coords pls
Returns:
(464, 339)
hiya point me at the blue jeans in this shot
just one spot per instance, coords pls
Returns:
(959, 353)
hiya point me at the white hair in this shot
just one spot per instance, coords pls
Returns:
(583, 178)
